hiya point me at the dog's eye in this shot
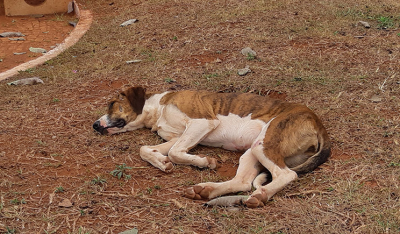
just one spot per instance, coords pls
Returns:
(111, 105)
(120, 123)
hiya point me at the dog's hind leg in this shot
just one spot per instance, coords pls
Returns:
(273, 161)
(157, 155)
(280, 178)
(249, 168)
(196, 130)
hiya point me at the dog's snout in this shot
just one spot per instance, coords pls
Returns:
(96, 126)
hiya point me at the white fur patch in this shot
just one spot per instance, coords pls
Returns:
(234, 132)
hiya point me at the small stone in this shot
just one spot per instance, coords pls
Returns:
(218, 60)
(72, 23)
(375, 98)
(65, 203)
(1, 60)
(27, 81)
(365, 24)
(16, 39)
(37, 50)
(19, 53)
(128, 22)
(132, 231)
(244, 71)
(11, 34)
(249, 52)
(134, 61)
(70, 7)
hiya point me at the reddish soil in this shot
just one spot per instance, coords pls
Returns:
(49, 153)
(43, 32)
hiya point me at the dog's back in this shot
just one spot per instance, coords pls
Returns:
(297, 132)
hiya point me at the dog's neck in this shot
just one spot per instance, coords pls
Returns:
(152, 109)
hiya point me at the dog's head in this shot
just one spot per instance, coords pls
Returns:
(123, 112)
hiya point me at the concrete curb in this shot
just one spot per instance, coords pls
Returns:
(85, 20)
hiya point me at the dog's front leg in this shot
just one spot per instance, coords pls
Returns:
(157, 155)
(196, 130)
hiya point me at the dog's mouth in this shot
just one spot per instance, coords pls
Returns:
(104, 129)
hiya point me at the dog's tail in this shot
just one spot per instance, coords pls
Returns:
(311, 162)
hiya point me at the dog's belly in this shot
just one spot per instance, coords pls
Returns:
(234, 132)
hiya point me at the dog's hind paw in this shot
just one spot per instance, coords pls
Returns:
(256, 200)
(253, 202)
(198, 192)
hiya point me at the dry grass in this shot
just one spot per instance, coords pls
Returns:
(307, 50)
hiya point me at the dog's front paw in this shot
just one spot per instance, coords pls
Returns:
(198, 192)
(212, 163)
(168, 166)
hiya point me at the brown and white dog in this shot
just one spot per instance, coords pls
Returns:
(285, 138)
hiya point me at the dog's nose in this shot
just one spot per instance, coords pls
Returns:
(96, 125)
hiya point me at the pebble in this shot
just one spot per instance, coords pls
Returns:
(128, 22)
(70, 7)
(244, 71)
(72, 23)
(27, 81)
(375, 98)
(248, 51)
(65, 203)
(132, 231)
(11, 34)
(365, 24)
(37, 50)
(16, 39)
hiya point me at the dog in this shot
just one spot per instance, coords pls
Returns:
(285, 138)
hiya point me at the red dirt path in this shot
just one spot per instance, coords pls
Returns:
(43, 32)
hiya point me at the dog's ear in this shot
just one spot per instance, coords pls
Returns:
(136, 97)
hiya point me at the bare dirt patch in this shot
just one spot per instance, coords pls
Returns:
(307, 52)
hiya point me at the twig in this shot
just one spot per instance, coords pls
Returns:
(112, 194)
(381, 86)
(306, 192)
